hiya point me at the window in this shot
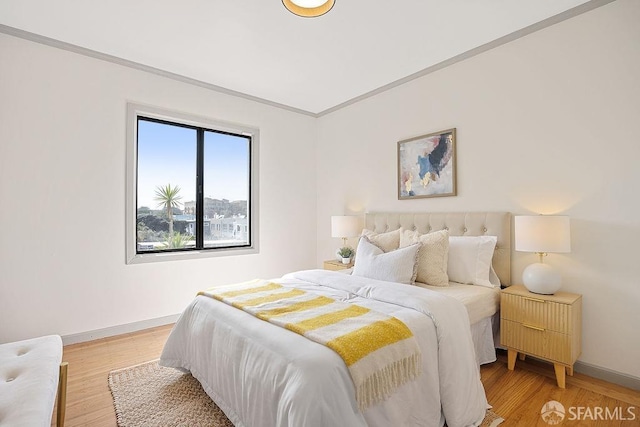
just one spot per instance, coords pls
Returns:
(192, 186)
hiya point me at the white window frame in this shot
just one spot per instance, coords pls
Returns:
(133, 111)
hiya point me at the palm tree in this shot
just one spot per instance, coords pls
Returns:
(169, 198)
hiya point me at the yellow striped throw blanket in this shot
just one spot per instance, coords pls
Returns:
(380, 351)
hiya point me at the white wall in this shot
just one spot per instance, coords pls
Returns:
(546, 124)
(62, 194)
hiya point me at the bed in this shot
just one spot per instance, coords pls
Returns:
(263, 375)
(482, 303)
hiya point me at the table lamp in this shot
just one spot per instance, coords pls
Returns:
(345, 226)
(542, 234)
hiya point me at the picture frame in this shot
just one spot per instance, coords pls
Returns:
(427, 165)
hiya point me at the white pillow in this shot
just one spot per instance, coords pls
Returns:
(389, 241)
(395, 266)
(470, 259)
(432, 257)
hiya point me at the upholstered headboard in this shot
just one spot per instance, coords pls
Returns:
(459, 224)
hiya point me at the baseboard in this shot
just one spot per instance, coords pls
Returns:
(118, 330)
(608, 375)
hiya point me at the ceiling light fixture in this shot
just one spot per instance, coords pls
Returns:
(308, 8)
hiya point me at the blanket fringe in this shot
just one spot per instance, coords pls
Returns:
(381, 384)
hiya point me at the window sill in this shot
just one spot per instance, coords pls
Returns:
(178, 256)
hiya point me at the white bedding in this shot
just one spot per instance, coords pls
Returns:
(263, 375)
(481, 301)
(482, 304)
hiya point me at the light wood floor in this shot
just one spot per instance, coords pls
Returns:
(89, 400)
(515, 395)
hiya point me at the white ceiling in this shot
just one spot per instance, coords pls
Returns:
(257, 48)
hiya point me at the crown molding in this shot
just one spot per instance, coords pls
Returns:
(568, 14)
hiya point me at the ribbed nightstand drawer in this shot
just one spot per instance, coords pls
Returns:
(537, 341)
(538, 312)
(336, 265)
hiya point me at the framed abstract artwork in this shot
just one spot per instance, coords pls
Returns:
(427, 165)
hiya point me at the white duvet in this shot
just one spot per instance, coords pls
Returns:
(262, 375)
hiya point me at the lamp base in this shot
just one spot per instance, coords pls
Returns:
(541, 278)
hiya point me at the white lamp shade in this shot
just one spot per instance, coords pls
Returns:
(542, 233)
(345, 226)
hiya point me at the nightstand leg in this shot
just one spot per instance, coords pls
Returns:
(560, 371)
(522, 356)
(570, 370)
(511, 359)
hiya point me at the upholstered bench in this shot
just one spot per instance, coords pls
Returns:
(31, 372)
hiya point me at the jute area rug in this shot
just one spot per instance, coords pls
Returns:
(149, 395)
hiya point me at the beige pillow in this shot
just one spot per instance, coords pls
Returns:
(432, 256)
(389, 241)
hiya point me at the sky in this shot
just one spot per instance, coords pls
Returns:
(167, 155)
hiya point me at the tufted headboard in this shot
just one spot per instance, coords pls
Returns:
(459, 224)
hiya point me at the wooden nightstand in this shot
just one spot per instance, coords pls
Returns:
(336, 265)
(548, 327)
